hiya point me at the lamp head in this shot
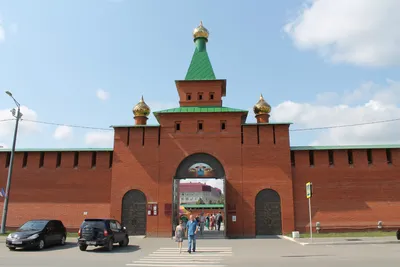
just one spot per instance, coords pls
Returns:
(9, 93)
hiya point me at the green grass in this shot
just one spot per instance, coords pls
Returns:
(349, 234)
(68, 234)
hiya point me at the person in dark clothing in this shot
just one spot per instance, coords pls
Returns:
(219, 220)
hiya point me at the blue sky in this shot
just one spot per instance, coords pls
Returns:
(55, 56)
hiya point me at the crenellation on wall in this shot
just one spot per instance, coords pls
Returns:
(250, 135)
(351, 158)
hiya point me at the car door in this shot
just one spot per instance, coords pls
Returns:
(116, 232)
(121, 231)
(58, 231)
(50, 233)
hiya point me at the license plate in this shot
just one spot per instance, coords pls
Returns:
(17, 242)
(90, 243)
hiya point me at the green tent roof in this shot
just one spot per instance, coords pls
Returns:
(199, 110)
(200, 67)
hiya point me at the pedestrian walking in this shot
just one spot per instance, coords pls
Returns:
(179, 234)
(192, 227)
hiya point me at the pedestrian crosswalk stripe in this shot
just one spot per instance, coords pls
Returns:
(230, 248)
(172, 257)
(172, 265)
(180, 262)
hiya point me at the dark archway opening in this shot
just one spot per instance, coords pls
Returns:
(134, 214)
(199, 189)
(268, 213)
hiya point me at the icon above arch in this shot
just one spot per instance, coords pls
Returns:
(200, 165)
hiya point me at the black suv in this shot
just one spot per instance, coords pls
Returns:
(102, 232)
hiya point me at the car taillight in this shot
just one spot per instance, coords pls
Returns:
(105, 233)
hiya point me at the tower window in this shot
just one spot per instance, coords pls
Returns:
(200, 125)
(200, 96)
(177, 126)
(211, 96)
(223, 125)
(188, 96)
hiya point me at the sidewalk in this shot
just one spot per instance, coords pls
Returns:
(344, 240)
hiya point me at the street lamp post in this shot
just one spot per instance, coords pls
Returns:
(17, 114)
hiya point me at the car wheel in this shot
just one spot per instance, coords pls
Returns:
(41, 244)
(125, 242)
(11, 248)
(110, 245)
(83, 247)
(62, 241)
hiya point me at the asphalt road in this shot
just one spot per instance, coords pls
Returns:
(211, 253)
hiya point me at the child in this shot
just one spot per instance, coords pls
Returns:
(179, 234)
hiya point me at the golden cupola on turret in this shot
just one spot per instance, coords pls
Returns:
(200, 32)
(141, 111)
(262, 110)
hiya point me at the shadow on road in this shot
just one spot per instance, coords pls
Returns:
(116, 249)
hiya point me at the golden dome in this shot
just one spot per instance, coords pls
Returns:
(141, 109)
(200, 31)
(261, 107)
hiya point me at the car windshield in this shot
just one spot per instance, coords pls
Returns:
(93, 224)
(33, 226)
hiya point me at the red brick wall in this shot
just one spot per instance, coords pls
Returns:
(60, 192)
(150, 160)
(348, 197)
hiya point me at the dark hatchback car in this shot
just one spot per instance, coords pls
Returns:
(37, 234)
(102, 232)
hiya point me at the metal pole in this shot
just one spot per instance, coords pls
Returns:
(10, 169)
(309, 211)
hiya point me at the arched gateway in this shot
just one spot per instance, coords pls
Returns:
(134, 212)
(268, 213)
(196, 166)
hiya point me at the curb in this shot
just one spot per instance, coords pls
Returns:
(352, 243)
(341, 243)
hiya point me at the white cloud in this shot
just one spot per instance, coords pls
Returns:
(103, 95)
(361, 32)
(3, 145)
(370, 102)
(63, 133)
(100, 139)
(26, 126)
